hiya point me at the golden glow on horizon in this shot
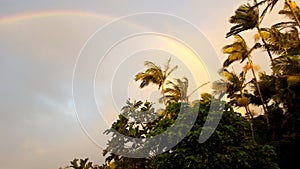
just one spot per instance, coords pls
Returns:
(190, 60)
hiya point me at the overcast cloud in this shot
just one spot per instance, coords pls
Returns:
(38, 124)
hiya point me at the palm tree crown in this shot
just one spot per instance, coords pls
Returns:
(176, 91)
(154, 74)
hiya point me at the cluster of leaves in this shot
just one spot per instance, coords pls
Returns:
(230, 146)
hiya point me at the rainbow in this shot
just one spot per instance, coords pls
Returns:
(45, 14)
(170, 44)
(52, 14)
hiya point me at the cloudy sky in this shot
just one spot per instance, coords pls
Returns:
(66, 68)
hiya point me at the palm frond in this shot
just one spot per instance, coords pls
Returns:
(151, 65)
(172, 70)
(280, 42)
(291, 10)
(285, 25)
(245, 18)
(287, 65)
(237, 51)
(269, 7)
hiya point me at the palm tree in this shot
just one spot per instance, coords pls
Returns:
(235, 88)
(246, 18)
(280, 42)
(239, 51)
(154, 74)
(234, 83)
(282, 93)
(176, 91)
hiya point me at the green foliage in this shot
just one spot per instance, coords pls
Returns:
(230, 146)
(278, 92)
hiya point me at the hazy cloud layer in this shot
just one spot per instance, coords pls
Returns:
(38, 125)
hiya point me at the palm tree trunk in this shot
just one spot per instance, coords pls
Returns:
(250, 117)
(265, 43)
(248, 114)
(259, 91)
(251, 123)
(263, 40)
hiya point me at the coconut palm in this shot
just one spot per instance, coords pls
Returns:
(154, 74)
(286, 70)
(176, 91)
(239, 51)
(281, 91)
(273, 38)
(283, 38)
(236, 92)
(246, 18)
(234, 83)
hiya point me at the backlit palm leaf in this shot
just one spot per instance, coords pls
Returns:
(280, 42)
(176, 91)
(245, 18)
(154, 74)
(291, 10)
(237, 51)
(287, 65)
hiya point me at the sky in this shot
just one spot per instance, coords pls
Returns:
(67, 67)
